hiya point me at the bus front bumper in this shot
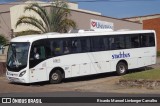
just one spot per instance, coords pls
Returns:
(13, 77)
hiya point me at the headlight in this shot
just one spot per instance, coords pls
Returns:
(22, 73)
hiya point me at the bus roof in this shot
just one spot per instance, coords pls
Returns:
(31, 38)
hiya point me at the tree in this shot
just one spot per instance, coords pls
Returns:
(54, 21)
(3, 40)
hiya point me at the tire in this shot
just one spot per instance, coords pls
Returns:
(55, 77)
(121, 68)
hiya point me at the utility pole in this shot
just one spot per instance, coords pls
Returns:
(12, 34)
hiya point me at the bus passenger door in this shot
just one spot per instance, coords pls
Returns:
(38, 73)
(37, 63)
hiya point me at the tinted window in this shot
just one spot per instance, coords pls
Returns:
(106, 43)
(85, 44)
(98, 44)
(116, 42)
(69, 45)
(128, 41)
(135, 42)
(144, 40)
(38, 50)
(151, 40)
(66, 48)
(56, 46)
(38, 53)
(75, 45)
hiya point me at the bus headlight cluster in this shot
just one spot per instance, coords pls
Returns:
(22, 73)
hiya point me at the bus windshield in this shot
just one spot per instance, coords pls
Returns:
(17, 56)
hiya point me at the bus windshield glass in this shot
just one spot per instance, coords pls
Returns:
(17, 56)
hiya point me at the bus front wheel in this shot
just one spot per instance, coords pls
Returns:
(121, 68)
(56, 77)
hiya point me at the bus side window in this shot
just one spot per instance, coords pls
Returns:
(56, 47)
(98, 44)
(106, 43)
(42, 52)
(128, 42)
(114, 43)
(66, 46)
(135, 43)
(75, 46)
(122, 42)
(111, 43)
(85, 44)
(38, 52)
(151, 40)
(144, 40)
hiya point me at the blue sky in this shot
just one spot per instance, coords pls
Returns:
(119, 8)
(122, 8)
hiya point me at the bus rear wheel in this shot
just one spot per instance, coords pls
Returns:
(55, 77)
(121, 68)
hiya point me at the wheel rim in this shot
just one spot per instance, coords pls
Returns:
(122, 68)
(55, 76)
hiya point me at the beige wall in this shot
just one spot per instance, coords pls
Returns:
(83, 21)
(18, 11)
(5, 20)
(5, 24)
(81, 17)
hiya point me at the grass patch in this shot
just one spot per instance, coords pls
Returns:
(158, 53)
(153, 74)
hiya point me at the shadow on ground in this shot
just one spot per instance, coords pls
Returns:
(85, 78)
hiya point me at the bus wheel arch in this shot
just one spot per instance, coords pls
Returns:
(56, 75)
(121, 67)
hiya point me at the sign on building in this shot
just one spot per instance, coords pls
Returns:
(97, 24)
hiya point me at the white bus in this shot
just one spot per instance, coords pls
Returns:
(53, 56)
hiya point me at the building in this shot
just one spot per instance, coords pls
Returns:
(140, 19)
(9, 13)
(151, 22)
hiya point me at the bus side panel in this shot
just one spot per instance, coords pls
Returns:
(72, 64)
(100, 61)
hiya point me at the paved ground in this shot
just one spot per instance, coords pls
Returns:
(96, 83)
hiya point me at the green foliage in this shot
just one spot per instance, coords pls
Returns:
(158, 53)
(28, 32)
(54, 21)
(3, 40)
(153, 74)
